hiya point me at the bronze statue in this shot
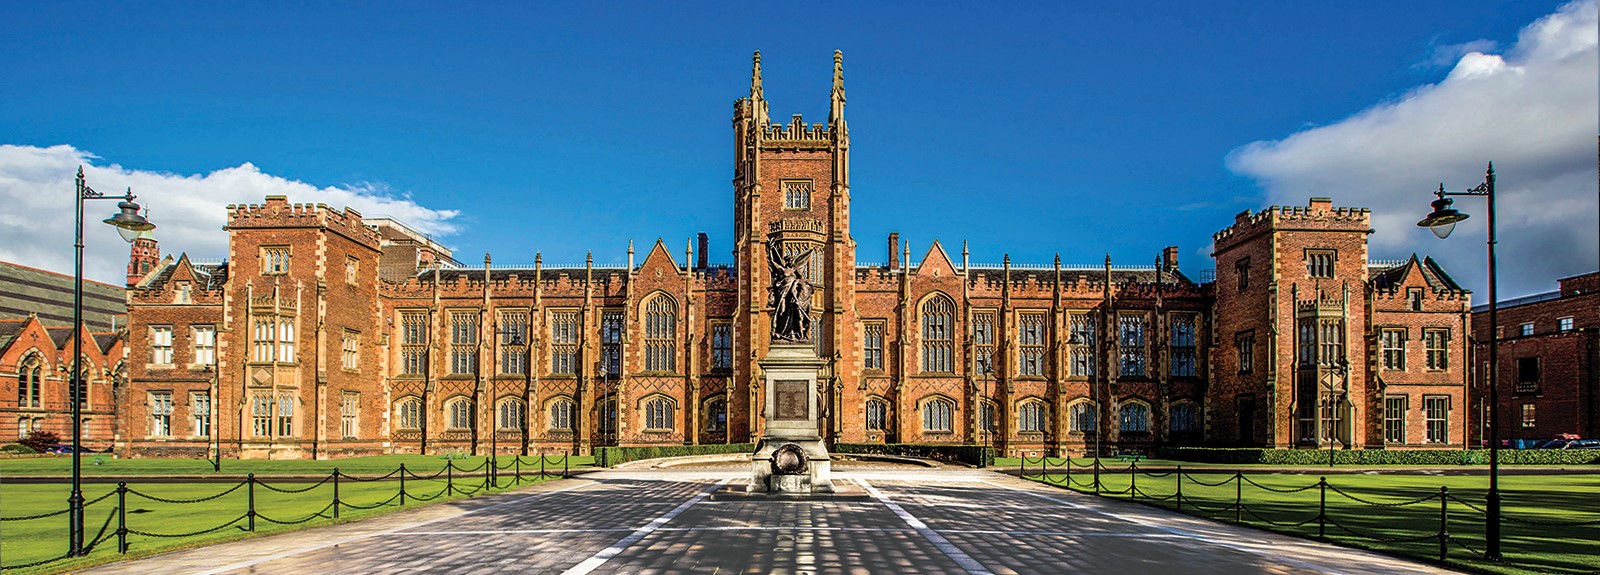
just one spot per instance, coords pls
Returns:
(791, 295)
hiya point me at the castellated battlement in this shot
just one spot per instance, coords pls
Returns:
(797, 131)
(1318, 213)
(278, 212)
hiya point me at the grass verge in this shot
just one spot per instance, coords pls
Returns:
(216, 512)
(1396, 514)
(103, 465)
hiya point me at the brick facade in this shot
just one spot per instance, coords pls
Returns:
(1549, 383)
(35, 382)
(663, 351)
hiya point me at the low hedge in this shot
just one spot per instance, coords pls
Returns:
(1379, 456)
(977, 455)
(610, 456)
(17, 448)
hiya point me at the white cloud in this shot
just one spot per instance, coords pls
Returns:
(1533, 110)
(36, 225)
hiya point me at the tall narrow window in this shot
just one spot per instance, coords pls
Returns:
(1083, 344)
(564, 342)
(722, 346)
(1319, 263)
(716, 414)
(1245, 344)
(1030, 342)
(408, 413)
(464, 342)
(161, 344)
(1135, 417)
(611, 342)
(1306, 334)
(877, 414)
(205, 344)
(937, 352)
(350, 350)
(658, 415)
(1394, 349)
(266, 337)
(872, 345)
(285, 415)
(1030, 417)
(1527, 375)
(184, 292)
(1183, 417)
(352, 270)
(986, 416)
(1530, 416)
(413, 343)
(161, 413)
(349, 411)
(80, 388)
(286, 340)
(983, 342)
(274, 260)
(1414, 298)
(261, 415)
(508, 415)
(1330, 342)
(1437, 342)
(818, 336)
(1394, 419)
(1437, 411)
(797, 195)
(458, 413)
(1131, 345)
(512, 339)
(660, 334)
(200, 413)
(1183, 357)
(29, 383)
(1081, 417)
(938, 415)
(561, 414)
(1241, 270)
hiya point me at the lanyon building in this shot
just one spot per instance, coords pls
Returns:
(327, 334)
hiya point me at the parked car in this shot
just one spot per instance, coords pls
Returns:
(67, 448)
(1582, 444)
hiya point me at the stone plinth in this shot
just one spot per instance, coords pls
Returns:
(791, 457)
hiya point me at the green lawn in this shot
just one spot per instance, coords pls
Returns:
(378, 464)
(1367, 523)
(27, 541)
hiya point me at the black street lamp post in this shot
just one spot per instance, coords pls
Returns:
(1441, 222)
(128, 223)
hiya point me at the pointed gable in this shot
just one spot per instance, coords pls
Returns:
(659, 262)
(936, 263)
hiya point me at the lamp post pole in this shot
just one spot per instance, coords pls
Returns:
(1442, 221)
(128, 223)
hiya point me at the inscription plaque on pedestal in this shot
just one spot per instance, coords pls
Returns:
(791, 401)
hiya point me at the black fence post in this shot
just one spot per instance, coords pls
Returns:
(565, 471)
(335, 493)
(450, 477)
(251, 479)
(541, 464)
(1444, 521)
(1322, 507)
(518, 466)
(402, 484)
(1238, 497)
(1096, 465)
(1069, 471)
(122, 517)
(1133, 480)
(1179, 497)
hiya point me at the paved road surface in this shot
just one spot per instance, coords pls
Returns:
(686, 520)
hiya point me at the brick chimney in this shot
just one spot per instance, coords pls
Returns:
(1169, 258)
(894, 250)
(703, 261)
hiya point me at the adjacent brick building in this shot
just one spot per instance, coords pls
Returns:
(1549, 351)
(338, 335)
(36, 387)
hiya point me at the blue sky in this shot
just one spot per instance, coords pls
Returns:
(1078, 128)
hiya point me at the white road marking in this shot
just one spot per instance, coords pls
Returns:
(293, 552)
(949, 549)
(792, 528)
(598, 559)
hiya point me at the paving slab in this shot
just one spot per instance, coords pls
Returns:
(671, 521)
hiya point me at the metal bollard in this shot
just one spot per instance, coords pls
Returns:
(335, 493)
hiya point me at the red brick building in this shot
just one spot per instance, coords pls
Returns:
(36, 384)
(338, 335)
(1549, 351)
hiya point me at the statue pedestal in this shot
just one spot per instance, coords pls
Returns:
(791, 457)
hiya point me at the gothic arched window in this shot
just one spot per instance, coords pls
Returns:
(660, 334)
(938, 318)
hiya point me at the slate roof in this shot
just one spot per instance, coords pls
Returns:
(1432, 273)
(214, 276)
